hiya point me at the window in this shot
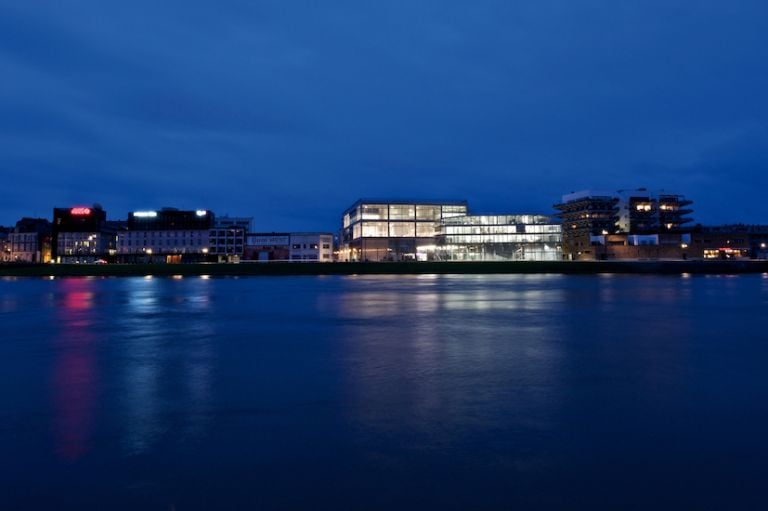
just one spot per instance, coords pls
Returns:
(374, 211)
(402, 229)
(428, 212)
(401, 212)
(425, 229)
(296, 246)
(450, 211)
(326, 245)
(374, 229)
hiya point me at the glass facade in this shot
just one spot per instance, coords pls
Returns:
(499, 238)
(407, 231)
(375, 230)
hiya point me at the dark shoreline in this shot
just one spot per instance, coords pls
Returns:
(403, 268)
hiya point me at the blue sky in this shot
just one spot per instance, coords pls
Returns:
(289, 111)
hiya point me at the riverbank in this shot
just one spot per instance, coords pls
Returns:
(400, 268)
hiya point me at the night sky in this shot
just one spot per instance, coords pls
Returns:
(289, 111)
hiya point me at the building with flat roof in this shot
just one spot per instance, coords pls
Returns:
(168, 235)
(30, 241)
(597, 223)
(81, 234)
(498, 238)
(311, 246)
(733, 241)
(393, 230)
(227, 238)
(407, 230)
(289, 246)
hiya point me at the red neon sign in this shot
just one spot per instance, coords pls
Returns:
(80, 211)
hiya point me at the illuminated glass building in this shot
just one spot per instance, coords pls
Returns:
(81, 235)
(394, 230)
(387, 230)
(169, 235)
(499, 238)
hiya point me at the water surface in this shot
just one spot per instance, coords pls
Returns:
(382, 392)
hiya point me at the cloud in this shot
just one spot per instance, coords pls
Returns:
(289, 111)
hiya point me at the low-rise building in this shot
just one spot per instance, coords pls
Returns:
(734, 241)
(311, 246)
(267, 246)
(285, 246)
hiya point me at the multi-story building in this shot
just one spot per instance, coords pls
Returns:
(394, 230)
(648, 225)
(737, 241)
(641, 211)
(311, 246)
(81, 235)
(498, 238)
(5, 245)
(30, 241)
(168, 235)
(228, 237)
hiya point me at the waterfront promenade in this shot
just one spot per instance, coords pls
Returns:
(388, 268)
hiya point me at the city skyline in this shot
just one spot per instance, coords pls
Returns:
(290, 112)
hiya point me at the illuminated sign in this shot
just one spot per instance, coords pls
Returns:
(268, 241)
(145, 214)
(80, 211)
(201, 212)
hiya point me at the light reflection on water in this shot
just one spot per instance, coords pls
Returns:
(461, 392)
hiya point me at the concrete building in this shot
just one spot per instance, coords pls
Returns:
(228, 238)
(267, 246)
(30, 241)
(734, 241)
(627, 224)
(82, 235)
(311, 246)
(284, 246)
(168, 235)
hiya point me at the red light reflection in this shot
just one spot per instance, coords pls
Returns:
(74, 371)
